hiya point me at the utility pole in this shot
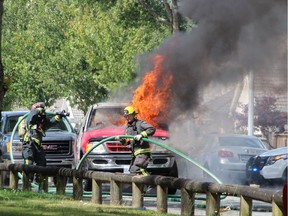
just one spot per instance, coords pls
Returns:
(251, 103)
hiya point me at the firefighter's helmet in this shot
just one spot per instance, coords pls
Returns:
(38, 105)
(129, 110)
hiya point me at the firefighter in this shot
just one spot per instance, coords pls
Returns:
(141, 153)
(36, 124)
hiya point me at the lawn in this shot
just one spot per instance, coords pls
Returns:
(16, 203)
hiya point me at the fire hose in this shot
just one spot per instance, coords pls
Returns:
(12, 138)
(113, 138)
(156, 143)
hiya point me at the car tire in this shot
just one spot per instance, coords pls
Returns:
(86, 183)
(173, 173)
(206, 176)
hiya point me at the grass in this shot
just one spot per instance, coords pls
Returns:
(16, 203)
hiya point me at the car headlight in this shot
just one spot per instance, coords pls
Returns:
(98, 149)
(271, 160)
(16, 147)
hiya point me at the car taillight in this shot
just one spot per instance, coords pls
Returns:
(225, 154)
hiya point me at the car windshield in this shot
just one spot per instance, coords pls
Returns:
(64, 125)
(11, 122)
(106, 117)
(239, 141)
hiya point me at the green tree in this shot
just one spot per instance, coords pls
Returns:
(3, 87)
(76, 49)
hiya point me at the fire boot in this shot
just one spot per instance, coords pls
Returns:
(40, 179)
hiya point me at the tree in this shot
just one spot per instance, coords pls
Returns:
(3, 88)
(266, 116)
(171, 18)
(81, 50)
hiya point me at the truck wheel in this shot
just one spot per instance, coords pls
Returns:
(173, 173)
(87, 183)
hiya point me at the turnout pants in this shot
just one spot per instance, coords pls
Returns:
(139, 164)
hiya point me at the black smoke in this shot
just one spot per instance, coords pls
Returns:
(231, 38)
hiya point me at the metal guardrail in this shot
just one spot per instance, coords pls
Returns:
(188, 189)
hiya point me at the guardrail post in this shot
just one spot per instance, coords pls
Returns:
(13, 183)
(96, 191)
(115, 192)
(187, 202)
(212, 204)
(277, 210)
(245, 206)
(162, 197)
(26, 181)
(61, 184)
(137, 197)
(77, 188)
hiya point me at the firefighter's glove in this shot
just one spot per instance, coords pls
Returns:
(121, 140)
(60, 115)
(138, 137)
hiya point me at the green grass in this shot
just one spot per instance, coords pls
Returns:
(16, 203)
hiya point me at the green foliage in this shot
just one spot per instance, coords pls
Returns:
(81, 50)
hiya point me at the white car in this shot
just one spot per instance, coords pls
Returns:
(226, 155)
(268, 167)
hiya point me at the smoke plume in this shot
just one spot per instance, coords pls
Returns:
(231, 38)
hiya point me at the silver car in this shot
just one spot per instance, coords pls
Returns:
(226, 155)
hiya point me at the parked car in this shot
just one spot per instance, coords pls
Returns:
(268, 168)
(106, 119)
(59, 143)
(226, 155)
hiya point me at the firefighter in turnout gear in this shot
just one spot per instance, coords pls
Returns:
(141, 152)
(36, 124)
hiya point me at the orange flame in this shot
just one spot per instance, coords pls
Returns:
(152, 98)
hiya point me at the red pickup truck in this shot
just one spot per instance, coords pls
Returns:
(104, 120)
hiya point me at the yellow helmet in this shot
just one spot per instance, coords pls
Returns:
(129, 110)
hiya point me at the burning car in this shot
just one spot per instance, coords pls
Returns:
(106, 119)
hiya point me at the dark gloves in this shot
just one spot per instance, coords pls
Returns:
(122, 141)
(62, 113)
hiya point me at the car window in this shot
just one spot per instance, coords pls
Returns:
(106, 117)
(239, 141)
(64, 125)
(10, 124)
